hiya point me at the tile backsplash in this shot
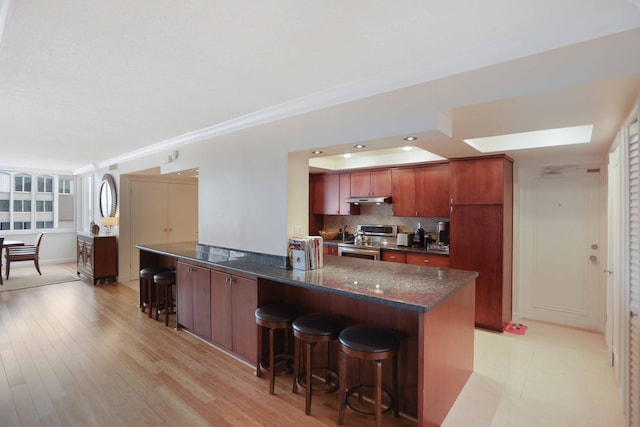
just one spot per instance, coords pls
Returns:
(379, 214)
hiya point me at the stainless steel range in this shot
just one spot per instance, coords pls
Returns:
(368, 241)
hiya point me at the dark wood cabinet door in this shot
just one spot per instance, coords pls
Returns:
(244, 297)
(428, 260)
(360, 184)
(184, 295)
(380, 183)
(432, 191)
(403, 190)
(200, 279)
(221, 327)
(478, 244)
(326, 194)
(480, 181)
(371, 183)
(393, 256)
(345, 192)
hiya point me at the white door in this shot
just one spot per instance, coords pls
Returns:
(183, 213)
(148, 218)
(566, 283)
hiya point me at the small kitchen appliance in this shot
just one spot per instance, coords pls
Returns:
(443, 232)
(404, 239)
(418, 237)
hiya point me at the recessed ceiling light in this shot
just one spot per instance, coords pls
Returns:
(534, 139)
(359, 146)
(407, 148)
(346, 155)
(410, 138)
(316, 152)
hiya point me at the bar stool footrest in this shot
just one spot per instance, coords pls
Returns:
(363, 401)
(283, 364)
(326, 380)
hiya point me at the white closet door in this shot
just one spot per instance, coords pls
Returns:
(148, 218)
(634, 275)
(183, 213)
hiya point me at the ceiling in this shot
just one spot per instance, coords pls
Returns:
(86, 84)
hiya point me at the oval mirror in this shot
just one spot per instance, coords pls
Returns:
(108, 198)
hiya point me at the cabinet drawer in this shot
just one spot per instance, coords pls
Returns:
(428, 260)
(394, 256)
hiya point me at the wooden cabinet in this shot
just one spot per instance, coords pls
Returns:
(429, 260)
(371, 183)
(221, 326)
(328, 192)
(97, 257)
(480, 181)
(432, 191)
(219, 307)
(330, 249)
(233, 304)
(403, 192)
(244, 301)
(393, 256)
(482, 233)
(422, 192)
(194, 299)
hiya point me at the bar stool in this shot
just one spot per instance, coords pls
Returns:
(368, 342)
(274, 317)
(164, 283)
(309, 330)
(146, 279)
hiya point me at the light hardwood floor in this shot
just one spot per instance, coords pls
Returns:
(77, 355)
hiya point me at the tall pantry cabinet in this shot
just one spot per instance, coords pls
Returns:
(481, 234)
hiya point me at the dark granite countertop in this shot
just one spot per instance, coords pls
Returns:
(416, 288)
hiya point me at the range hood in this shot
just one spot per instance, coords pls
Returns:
(368, 200)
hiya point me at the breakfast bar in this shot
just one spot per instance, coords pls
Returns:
(431, 308)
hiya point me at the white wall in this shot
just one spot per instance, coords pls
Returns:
(243, 197)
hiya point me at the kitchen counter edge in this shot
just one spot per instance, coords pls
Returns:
(415, 288)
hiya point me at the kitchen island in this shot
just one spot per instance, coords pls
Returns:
(431, 308)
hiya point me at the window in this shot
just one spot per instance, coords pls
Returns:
(29, 201)
(45, 184)
(64, 186)
(23, 183)
(22, 225)
(22, 205)
(44, 205)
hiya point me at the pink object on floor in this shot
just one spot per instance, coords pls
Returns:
(516, 328)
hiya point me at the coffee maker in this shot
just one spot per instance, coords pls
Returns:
(443, 232)
(418, 237)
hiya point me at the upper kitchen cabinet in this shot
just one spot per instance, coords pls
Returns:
(403, 192)
(480, 180)
(328, 192)
(371, 183)
(432, 191)
(422, 191)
